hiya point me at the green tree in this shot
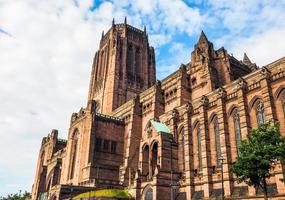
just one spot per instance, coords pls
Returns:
(258, 153)
(17, 196)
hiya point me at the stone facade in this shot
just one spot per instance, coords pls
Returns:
(162, 138)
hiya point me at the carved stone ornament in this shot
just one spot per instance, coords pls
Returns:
(222, 93)
(137, 175)
(175, 115)
(242, 85)
(158, 84)
(74, 117)
(204, 101)
(156, 171)
(149, 131)
(182, 67)
(92, 105)
(265, 73)
(188, 108)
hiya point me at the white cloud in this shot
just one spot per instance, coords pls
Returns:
(252, 16)
(262, 48)
(158, 40)
(47, 47)
(253, 26)
(179, 54)
(45, 66)
(46, 52)
(167, 17)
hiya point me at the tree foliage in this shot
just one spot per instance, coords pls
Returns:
(17, 196)
(263, 148)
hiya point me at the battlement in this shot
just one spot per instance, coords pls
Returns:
(121, 26)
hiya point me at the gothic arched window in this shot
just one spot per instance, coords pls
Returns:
(217, 139)
(259, 109)
(154, 157)
(237, 130)
(145, 161)
(42, 158)
(283, 103)
(283, 106)
(181, 146)
(148, 194)
(130, 60)
(138, 61)
(100, 66)
(74, 152)
(215, 77)
(199, 147)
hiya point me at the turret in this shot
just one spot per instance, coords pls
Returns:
(123, 67)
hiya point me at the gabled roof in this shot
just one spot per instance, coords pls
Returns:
(160, 127)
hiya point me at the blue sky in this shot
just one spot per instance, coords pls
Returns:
(47, 47)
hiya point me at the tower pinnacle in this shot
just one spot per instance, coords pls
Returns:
(203, 37)
(246, 60)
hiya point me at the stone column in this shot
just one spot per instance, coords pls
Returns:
(266, 91)
(244, 117)
(224, 135)
(150, 163)
(203, 118)
(270, 114)
(136, 188)
(175, 118)
(188, 150)
(243, 108)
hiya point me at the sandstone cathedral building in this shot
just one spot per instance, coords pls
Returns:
(162, 140)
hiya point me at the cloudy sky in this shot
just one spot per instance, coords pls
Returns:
(47, 46)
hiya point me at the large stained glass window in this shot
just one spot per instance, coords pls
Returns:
(130, 61)
(217, 140)
(237, 130)
(183, 149)
(148, 194)
(199, 147)
(138, 61)
(74, 153)
(260, 113)
(283, 104)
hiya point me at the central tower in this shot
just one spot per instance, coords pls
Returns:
(123, 66)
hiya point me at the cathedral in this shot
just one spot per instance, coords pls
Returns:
(174, 138)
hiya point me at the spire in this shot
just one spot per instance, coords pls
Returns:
(144, 29)
(203, 37)
(125, 22)
(246, 60)
(113, 22)
(102, 34)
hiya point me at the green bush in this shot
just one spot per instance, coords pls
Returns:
(105, 193)
(17, 196)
